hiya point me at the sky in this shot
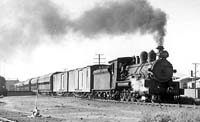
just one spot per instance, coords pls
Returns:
(42, 36)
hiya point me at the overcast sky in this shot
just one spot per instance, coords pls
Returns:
(42, 36)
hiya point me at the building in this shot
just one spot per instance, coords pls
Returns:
(187, 82)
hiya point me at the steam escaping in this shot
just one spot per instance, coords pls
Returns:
(129, 16)
(27, 23)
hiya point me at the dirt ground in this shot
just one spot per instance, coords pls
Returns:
(67, 109)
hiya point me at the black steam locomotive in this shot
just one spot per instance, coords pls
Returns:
(144, 78)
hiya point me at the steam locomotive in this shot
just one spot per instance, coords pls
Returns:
(3, 90)
(147, 77)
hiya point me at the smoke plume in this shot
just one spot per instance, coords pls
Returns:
(129, 16)
(26, 23)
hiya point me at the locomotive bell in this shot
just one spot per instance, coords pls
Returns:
(143, 57)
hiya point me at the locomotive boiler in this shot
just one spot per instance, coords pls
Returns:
(148, 77)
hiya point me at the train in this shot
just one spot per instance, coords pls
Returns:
(147, 77)
(3, 90)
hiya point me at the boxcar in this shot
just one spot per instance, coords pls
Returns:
(82, 79)
(60, 82)
(73, 80)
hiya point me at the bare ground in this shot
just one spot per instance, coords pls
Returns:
(67, 109)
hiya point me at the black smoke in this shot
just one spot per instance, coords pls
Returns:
(129, 16)
(27, 23)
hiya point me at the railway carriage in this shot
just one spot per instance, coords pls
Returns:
(85, 79)
(45, 83)
(26, 85)
(73, 80)
(60, 83)
(81, 80)
(34, 84)
(18, 86)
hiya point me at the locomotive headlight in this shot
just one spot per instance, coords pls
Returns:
(164, 54)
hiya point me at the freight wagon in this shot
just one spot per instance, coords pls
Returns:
(76, 81)
(60, 84)
(79, 81)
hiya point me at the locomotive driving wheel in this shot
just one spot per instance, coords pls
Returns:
(155, 98)
(122, 97)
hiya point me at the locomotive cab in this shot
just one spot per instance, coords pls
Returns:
(118, 69)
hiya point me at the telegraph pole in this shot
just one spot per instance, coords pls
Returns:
(99, 58)
(195, 76)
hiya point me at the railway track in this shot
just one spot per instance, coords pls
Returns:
(6, 120)
(170, 105)
(137, 103)
(150, 104)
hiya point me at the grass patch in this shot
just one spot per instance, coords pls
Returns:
(180, 115)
